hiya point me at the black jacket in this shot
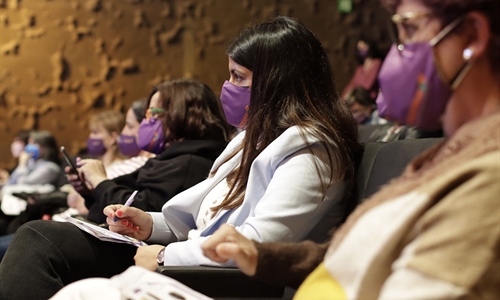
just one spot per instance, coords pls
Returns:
(179, 167)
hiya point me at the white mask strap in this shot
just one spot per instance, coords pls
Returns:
(445, 31)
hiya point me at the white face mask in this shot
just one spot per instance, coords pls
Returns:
(16, 148)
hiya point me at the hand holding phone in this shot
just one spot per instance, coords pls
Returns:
(73, 167)
(70, 163)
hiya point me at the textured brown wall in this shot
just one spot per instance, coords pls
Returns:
(63, 60)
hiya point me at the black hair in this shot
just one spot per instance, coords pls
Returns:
(48, 143)
(292, 85)
(373, 49)
(23, 135)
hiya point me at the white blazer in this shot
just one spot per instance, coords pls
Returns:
(283, 199)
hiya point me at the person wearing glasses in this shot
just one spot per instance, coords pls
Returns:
(179, 135)
(433, 233)
(291, 165)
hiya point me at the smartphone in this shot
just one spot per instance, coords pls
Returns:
(70, 163)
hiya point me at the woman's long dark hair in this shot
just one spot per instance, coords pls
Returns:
(292, 85)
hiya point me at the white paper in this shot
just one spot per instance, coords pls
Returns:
(103, 234)
(135, 283)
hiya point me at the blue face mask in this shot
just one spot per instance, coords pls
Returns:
(33, 149)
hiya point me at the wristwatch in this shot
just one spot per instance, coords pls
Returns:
(160, 258)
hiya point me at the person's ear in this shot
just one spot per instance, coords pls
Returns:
(478, 33)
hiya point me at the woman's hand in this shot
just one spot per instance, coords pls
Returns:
(146, 256)
(93, 171)
(227, 243)
(75, 182)
(131, 221)
(74, 200)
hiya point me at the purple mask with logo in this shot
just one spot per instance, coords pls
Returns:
(95, 147)
(412, 92)
(151, 136)
(235, 101)
(128, 145)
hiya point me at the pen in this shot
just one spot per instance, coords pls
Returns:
(129, 202)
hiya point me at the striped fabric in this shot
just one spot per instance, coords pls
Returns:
(125, 166)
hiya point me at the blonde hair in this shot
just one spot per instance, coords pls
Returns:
(111, 121)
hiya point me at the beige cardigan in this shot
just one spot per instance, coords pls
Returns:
(434, 232)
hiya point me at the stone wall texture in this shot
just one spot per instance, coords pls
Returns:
(61, 61)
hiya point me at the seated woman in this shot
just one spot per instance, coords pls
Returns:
(273, 182)
(38, 165)
(367, 71)
(39, 162)
(102, 142)
(185, 127)
(434, 232)
(127, 143)
(183, 164)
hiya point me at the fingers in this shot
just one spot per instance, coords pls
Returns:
(244, 255)
(68, 171)
(80, 162)
(110, 211)
(123, 226)
(227, 243)
(118, 216)
(225, 233)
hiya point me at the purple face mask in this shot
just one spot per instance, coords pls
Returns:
(151, 136)
(413, 93)
(95, 147)
(235, 101)
(128, 145)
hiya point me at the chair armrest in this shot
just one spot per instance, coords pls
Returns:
(221, 282)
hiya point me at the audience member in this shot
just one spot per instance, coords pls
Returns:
(273, 182)
(367, 70)
(16, 148)
(433, 233)
(39, 162)
(102, 143)
(172, 167)
(363, 107)
(184, 125)
(128, 146)
(38, 165)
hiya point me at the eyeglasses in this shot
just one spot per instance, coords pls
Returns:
(154, 112)
(402, 27)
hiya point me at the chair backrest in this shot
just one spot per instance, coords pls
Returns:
(379, 163)
(382, 162)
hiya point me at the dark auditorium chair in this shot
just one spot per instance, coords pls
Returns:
(379, 163)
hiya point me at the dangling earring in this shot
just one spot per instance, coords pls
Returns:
(467, 54)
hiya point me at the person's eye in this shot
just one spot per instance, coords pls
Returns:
(409, 29)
